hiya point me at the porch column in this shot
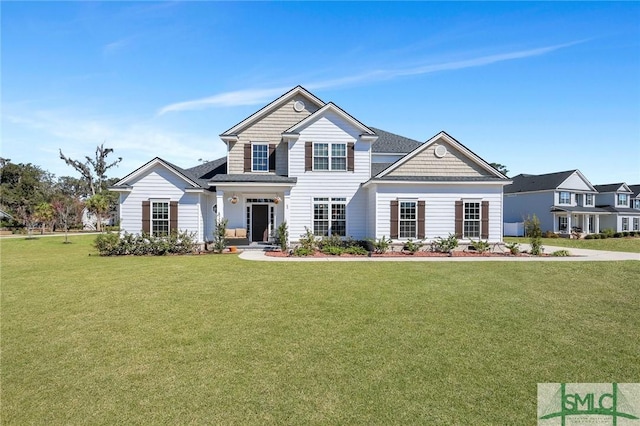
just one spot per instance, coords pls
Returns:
(219, 204)
(596, 224)
(555, 223)
(287, 199)
(569, 217)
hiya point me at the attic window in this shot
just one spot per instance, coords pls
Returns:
(298, 106)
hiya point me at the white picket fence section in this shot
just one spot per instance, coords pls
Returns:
(514, 229)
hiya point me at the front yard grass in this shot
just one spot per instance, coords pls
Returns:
(214, 339)
(627, 244)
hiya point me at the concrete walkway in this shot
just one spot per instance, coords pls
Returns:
(576, 255)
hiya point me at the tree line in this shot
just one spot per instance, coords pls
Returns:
(30, 195)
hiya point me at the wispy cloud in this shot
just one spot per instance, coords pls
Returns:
(78, 135)
(257, 96)
(118, 45)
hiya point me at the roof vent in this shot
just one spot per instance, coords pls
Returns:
(440, 151)
(298, 106)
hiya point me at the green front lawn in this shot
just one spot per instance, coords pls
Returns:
(214, 339)
(628, 244)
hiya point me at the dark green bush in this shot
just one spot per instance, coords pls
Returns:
(617, 235)
(412, 246)
(303, 251)
(356, 250)
(446, 245)
(111, 244)
(589, 237)
(625, 233)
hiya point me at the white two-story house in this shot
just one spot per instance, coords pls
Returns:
(312, 165)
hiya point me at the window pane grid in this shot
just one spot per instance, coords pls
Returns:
(329, 217)
(260, 158)
(471, 222)
(159, 218)
(330, 159)
(407, 219)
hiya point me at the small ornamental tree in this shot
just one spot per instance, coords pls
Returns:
(532, 228)
(220, 235)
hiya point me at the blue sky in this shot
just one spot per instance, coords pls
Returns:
(538, 87)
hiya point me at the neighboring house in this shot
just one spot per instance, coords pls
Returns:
(564, 202)
(313, 165)
(619, 199)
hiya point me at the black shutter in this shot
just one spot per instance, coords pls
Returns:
(247, 157)
(350, 156)
(484, 224)
(308, 156)
(421, 218)
(393, 224)
(272, 157)
(458, 219)
(146, 217)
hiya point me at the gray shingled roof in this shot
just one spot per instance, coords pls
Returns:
(526, 183)
(205, 171)
(257, 178)
(378, 167)
(635, 189)
(609, 187)
(393, 144)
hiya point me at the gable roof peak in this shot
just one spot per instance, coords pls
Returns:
(271, 106)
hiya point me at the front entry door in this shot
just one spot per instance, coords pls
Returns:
(259, 222)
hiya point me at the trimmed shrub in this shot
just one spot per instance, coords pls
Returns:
(380, 245)
(446, 245)
(413, 246)
(625, 233)
(301, 251)
(561, 253)
(589, 237)
(551, 234)
(111, 244)
(617, 235)
(356, 250)
(481, 246)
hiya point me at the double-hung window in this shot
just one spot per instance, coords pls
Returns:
(623, 200)
(562, 223)
(330, 216)
(588, 199)
(625, 223)
(329, 156)
(636, 204)
(564, 198)
(159, 218)
(260, 157)
(636, 224)
(408, 219)
(471, 219)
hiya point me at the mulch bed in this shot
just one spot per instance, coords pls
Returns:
(457, 253)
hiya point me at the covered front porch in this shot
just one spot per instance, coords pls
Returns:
(573, 223)
(253, 210)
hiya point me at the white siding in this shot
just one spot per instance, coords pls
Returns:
(160, 183)
(575, 183)
(328, 128)
(440, 206)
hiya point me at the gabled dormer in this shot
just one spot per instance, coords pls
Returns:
(255, 144)
(635, 199)
(617, 195)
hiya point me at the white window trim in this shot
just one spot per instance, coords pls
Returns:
(560, 198)
(415, 202)
(636, 223)
(479, 220)
(166, 201)
(252, 163)
(329, 202)
(330, 157)
(618, 203)
(592, 200)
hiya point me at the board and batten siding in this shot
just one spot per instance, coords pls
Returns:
(330, 128)
(439, 206)
(269, 129)
(160, 183)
